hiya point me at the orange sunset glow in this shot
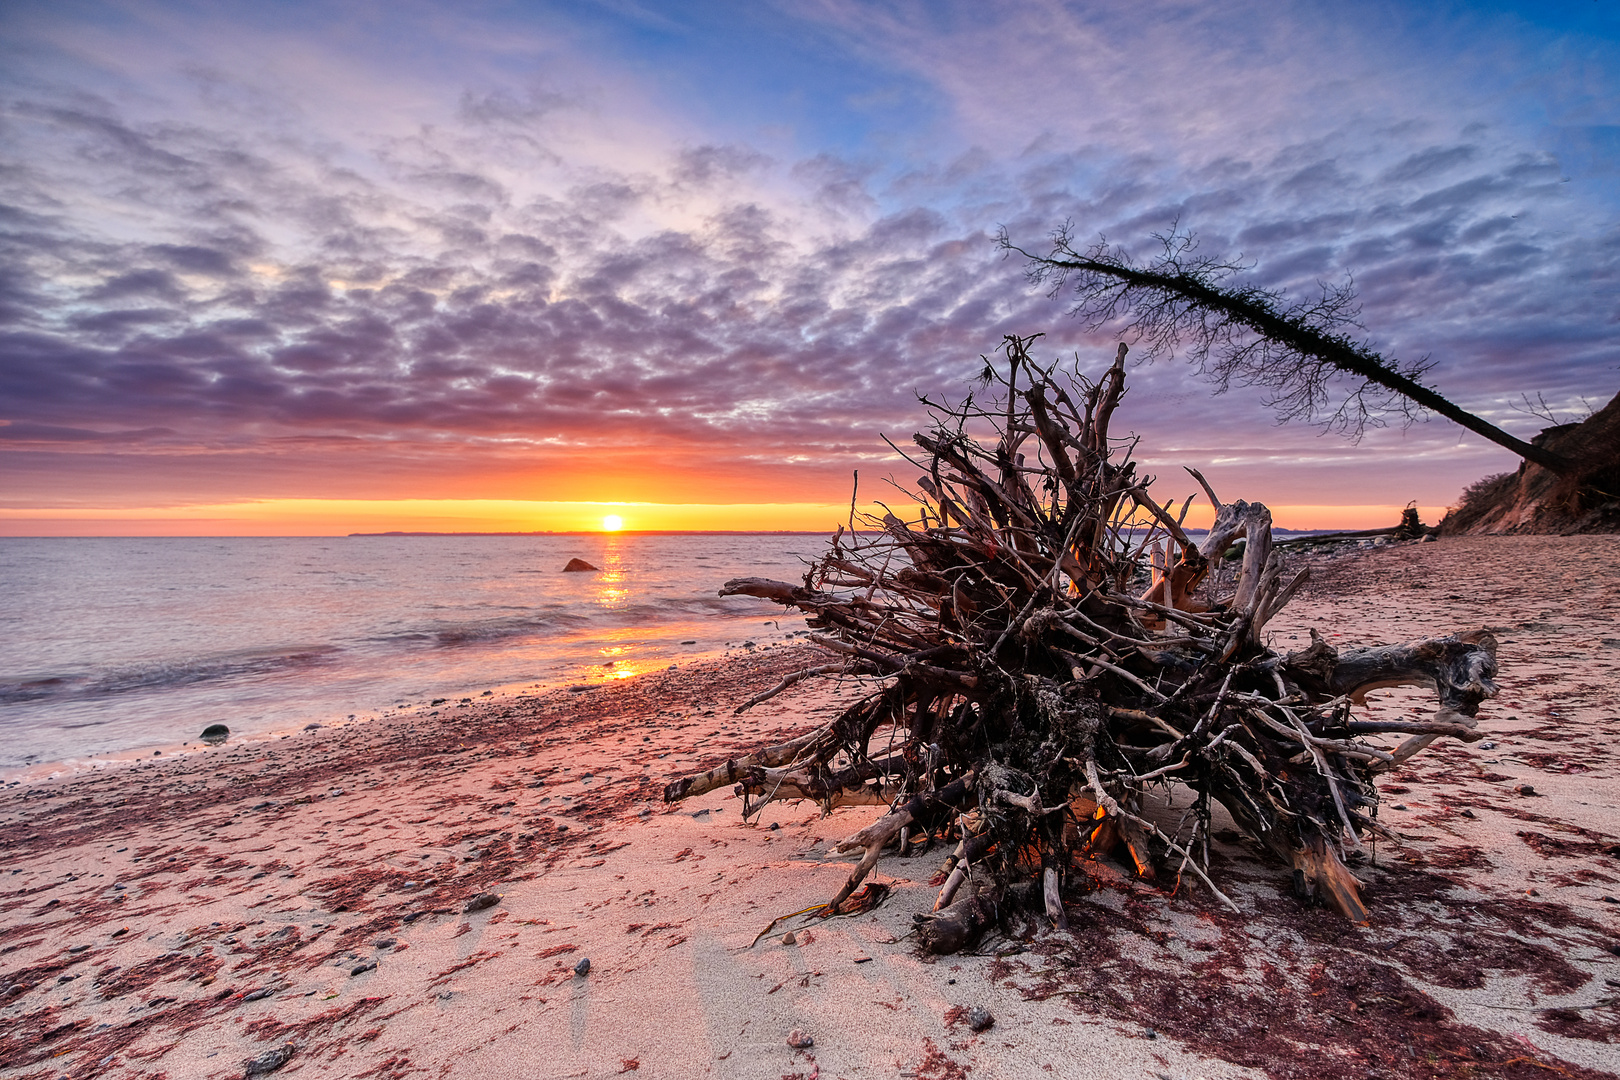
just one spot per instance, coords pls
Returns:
(338, 517)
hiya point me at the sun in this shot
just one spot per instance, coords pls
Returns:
(612, 523)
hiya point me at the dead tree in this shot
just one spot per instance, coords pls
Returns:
(1042, 657)
(1251, 336)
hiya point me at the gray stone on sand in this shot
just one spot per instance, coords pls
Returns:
(979, 1018)
(269, 1061)
(583, 967)
(480, 902)
(214, 734)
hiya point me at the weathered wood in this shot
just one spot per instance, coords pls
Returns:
(958, 925)
(727, 772)
(1047, 646)
(1460, 668)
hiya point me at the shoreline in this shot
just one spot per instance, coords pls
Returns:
(587, 676)
(282, 864)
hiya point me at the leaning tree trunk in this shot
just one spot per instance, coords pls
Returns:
(1044, 659)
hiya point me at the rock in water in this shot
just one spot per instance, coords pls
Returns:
(580, 566)
(269, 1061)
(214, 734)
(480, 902)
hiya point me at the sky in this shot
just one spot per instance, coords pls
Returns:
(314, 268)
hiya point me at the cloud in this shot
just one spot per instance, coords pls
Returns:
(503, 281)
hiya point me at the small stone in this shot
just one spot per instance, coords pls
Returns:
(583, 967)
(774, 826)
(384, 943)
(1149, 1033)
(258, 995)
(799, 1040)
(1527, 791)
(1487, 745)
(979, 1018)
(269, 1061)
(480, 902)
(790, 938)
(214, 734)
(1399, 806)
(361, 969)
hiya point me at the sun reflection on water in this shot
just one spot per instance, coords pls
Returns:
(614, 593)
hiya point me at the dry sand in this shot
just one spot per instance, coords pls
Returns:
(179, 916)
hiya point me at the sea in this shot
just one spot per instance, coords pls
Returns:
(111, 646)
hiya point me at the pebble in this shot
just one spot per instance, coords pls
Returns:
(789, 938)
(979, 1018)
(799, 1040)
(258, 995)
(361, 969)
(583, 967)
(480, 902)
(1526, 790)
(269, 1061)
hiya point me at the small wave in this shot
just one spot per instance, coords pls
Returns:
(16, 691)
(167, 675)
(497, 631)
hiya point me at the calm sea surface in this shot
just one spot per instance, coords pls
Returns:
(108, 645)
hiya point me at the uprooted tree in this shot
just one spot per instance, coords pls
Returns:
(1042, 657)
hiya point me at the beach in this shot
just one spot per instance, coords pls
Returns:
(314, 894)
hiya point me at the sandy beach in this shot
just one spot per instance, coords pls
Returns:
(306, 895)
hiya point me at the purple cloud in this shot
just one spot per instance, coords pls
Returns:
(511, 279)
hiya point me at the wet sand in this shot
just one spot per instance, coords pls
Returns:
(182, 915)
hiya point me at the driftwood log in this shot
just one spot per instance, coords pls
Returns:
(1042, 653)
